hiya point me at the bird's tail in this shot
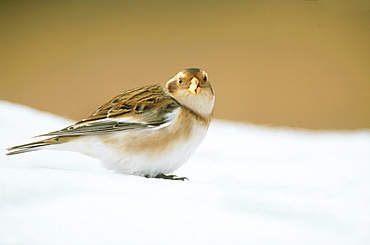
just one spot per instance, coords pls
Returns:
(38, 145)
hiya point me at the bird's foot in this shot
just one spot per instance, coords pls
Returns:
(171, 177)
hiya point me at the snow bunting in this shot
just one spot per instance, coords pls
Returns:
(149, 131)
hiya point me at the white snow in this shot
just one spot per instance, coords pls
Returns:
(248, 185)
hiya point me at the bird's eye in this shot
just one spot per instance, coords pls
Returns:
(205, 79)
(180, 80)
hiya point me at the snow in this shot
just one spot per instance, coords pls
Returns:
(248, 185)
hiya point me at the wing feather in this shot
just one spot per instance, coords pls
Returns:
(147, 107)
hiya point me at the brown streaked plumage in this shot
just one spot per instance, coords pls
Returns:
(146, 131)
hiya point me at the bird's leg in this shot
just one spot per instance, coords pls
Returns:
(171, 177)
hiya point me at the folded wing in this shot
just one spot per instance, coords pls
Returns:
(147, 107)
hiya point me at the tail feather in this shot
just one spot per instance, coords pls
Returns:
(38, 145)
(34, 146)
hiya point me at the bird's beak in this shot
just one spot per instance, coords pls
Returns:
(194, 86)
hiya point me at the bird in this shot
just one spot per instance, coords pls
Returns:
(149, 131)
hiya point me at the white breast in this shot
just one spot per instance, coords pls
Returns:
(119, 158)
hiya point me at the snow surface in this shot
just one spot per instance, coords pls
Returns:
(248, 185)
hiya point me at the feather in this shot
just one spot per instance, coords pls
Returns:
(148, 107)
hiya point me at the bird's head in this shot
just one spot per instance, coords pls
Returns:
(191, 88)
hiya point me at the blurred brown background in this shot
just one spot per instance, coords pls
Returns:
(287, 63)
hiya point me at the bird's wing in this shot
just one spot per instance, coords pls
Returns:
(147, 107)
